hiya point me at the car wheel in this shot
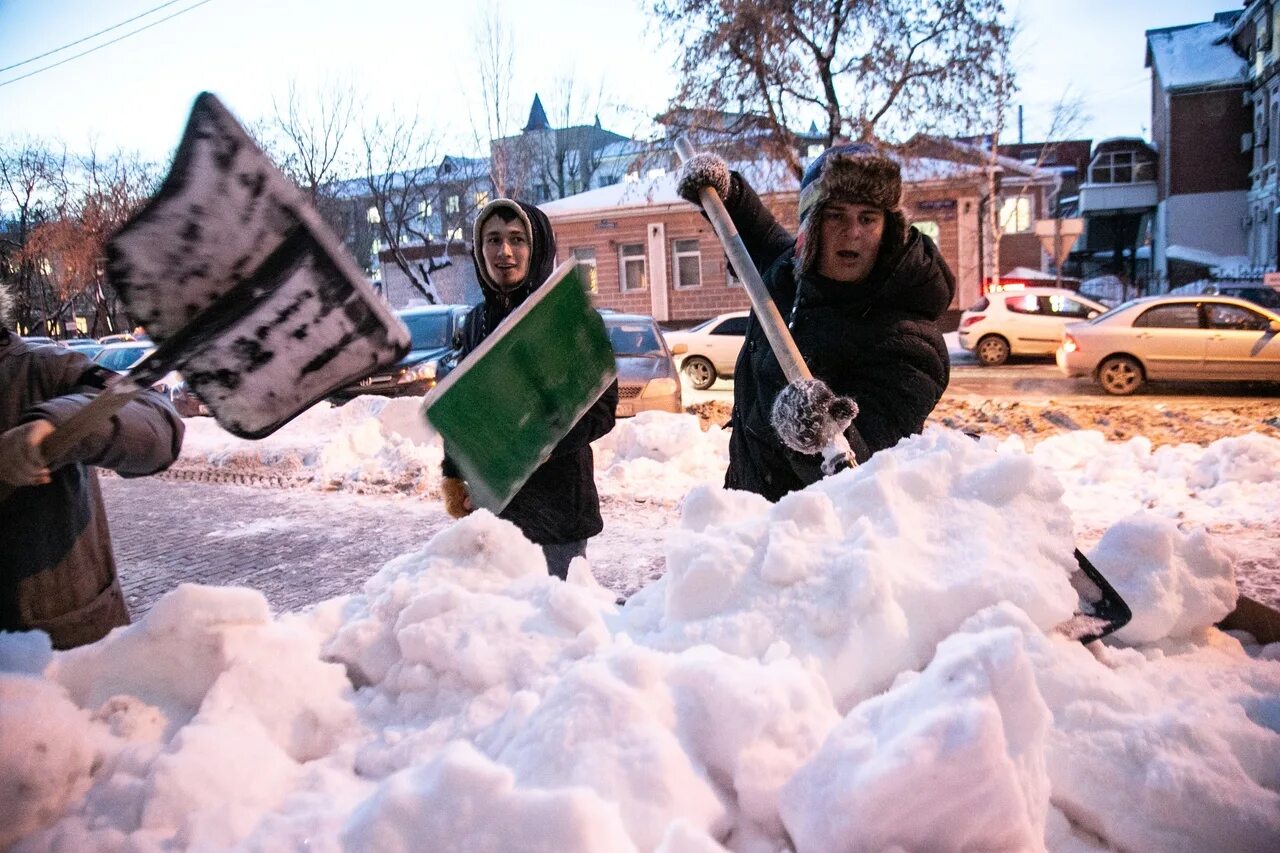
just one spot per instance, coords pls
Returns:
(1120, 375)
(992, 351)
(701, 373)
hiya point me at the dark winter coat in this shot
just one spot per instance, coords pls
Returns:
(876, 341)
(559, 503)
(57, 572)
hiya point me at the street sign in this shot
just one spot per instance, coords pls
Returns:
(1057, 236)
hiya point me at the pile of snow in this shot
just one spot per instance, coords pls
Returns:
(868, 664)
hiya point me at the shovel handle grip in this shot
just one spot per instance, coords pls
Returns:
(73, 430)
(838, 454)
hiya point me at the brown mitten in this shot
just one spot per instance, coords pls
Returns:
(457, 501)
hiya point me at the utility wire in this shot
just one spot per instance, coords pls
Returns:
(104, 44)
(86, 38)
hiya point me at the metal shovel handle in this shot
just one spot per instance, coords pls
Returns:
(837, 454)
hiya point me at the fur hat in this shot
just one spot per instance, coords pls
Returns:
(853, 174)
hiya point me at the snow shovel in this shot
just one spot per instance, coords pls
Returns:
(244, 289)
(1102, 609)
(513, 398)
(837, 455)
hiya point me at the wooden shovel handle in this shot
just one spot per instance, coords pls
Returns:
(838, 454)
(98, 410)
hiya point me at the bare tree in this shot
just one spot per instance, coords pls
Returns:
(399, 173)
(872, 70)
(33, 180)
(495, 58)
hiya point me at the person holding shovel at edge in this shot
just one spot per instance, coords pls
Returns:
(861, 293)
(57, 571)
(558, 508)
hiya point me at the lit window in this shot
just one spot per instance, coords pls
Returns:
(482, 198)
(631, 260)
(586, 257)
(455, 233)
(424, 210)
(372, 215)
(815, 150)
(928, 228)
(377, 245)
(451, 204)
(1015, 215)
(686, 263)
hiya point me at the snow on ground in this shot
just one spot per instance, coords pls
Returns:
(868, 664)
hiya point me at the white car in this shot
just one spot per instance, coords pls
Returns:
(1028, 321)
(713, 347)
(1180, 338)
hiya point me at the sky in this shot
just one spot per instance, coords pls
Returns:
(871, 663)
(135, 94)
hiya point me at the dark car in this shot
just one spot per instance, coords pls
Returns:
(436, 331)
(647, 376)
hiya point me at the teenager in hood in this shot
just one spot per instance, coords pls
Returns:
(861, 292)
(559, 507)
(57, 572)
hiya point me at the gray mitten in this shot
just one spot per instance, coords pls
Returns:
(807, 415)
(703, 170)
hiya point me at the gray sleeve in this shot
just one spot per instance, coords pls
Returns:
(143, 437)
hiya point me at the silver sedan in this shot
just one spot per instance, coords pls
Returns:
(1159, 338)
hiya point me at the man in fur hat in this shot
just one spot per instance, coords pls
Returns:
(57, 572)
(559, 507)
(861, 292)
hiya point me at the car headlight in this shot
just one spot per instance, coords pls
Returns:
(422, 372)
(660, 388)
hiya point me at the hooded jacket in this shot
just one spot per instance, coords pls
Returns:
(876, 341)
(559, 503)
(57, 572)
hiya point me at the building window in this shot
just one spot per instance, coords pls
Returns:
(424, 210)
(1121, 167)
(372, 215)
(586, 258)
(686, 262)
(928, 228)
(454, 234)
(377, 246)
(482, 198)
(631, 261)
(451, 204)
(1015, 215)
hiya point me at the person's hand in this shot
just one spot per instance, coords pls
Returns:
(21, 463)
(807, 415)
(457, 500)
(703, 170)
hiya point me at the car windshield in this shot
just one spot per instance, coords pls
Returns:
(430, 330)
(633, 338)
(120, 360)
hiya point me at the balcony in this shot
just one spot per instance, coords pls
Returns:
(1117, 198)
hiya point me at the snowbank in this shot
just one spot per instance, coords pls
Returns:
(867, 664)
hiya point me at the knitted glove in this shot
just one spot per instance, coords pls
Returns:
(457, 501)
(807, 415)
(703, 170)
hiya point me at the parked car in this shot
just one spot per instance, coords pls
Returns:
(435, 331)
(647, 375)
(40, 341)
(122, 338)
(1174, 338)
(1254, 291)
(1022, 322)
(124, 356)
(713, 348)
(88, 346)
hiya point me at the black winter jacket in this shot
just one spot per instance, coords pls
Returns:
(877, 342)
(57, 572)
(559, 503)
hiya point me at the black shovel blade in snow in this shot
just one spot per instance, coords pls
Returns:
(242, 285)
(1102, 610)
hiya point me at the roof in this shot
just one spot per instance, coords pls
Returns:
(1195, 56)
(764, 176)
(537, 117)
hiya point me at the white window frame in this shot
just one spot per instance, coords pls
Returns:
(677, 254)
(625, 260)
(451, 204)
(1015, 215)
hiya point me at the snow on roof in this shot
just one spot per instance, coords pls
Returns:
(1197, 55)
(1205, 258)
(769, 176)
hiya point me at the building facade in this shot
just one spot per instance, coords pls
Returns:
(1256, 42)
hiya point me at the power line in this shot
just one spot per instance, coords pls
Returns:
(104, 44)
(86, 38)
